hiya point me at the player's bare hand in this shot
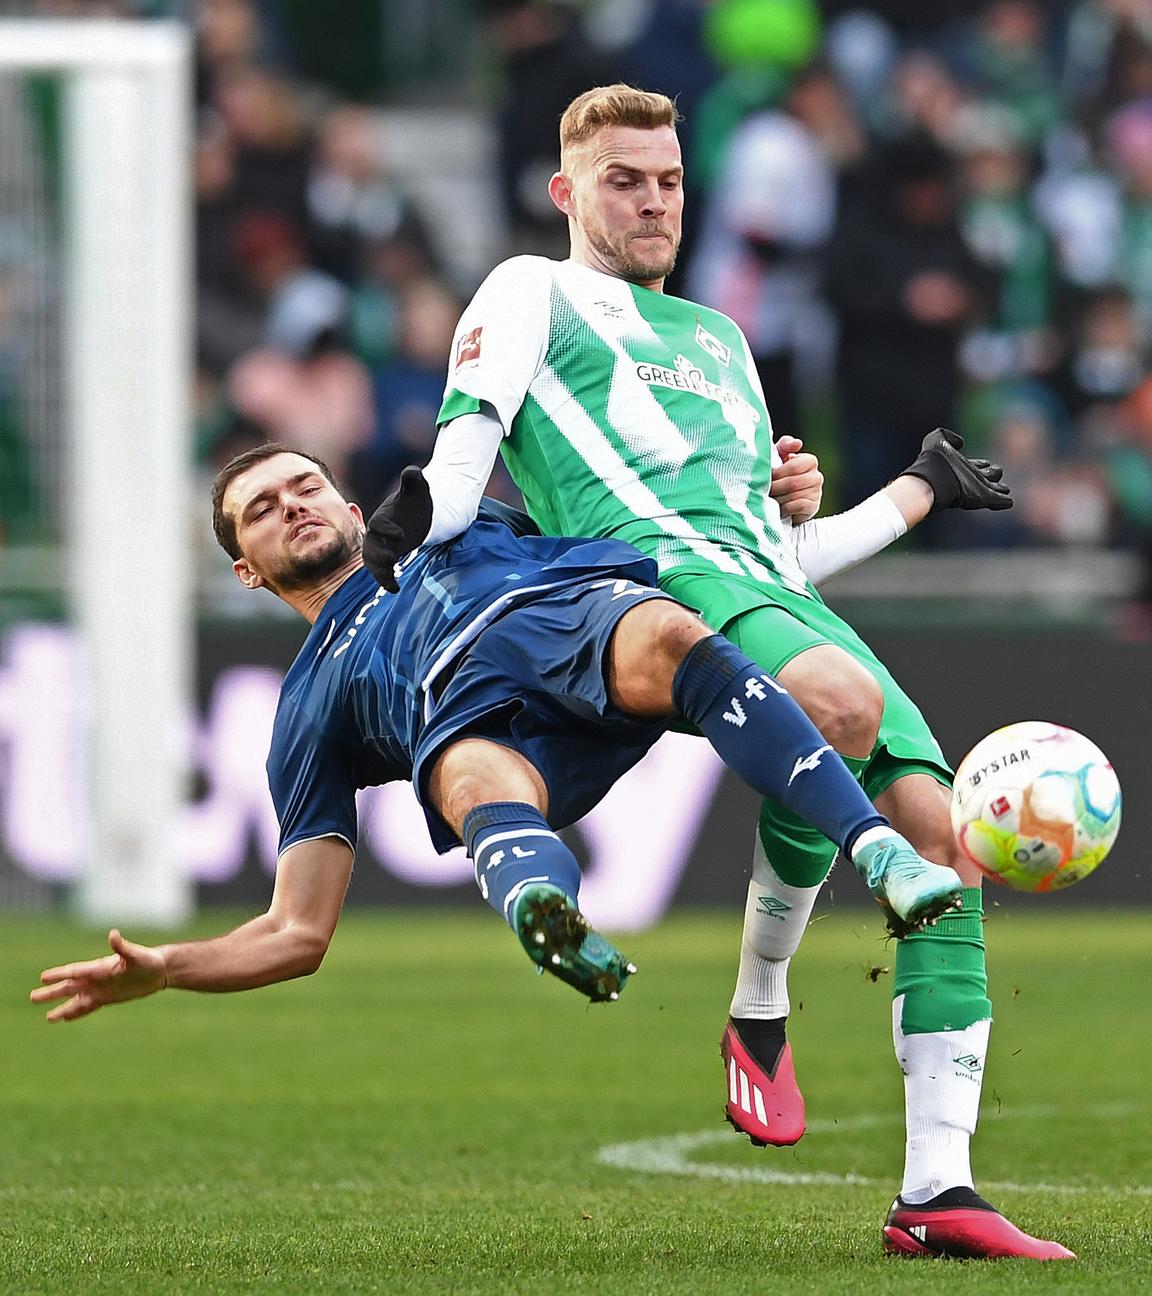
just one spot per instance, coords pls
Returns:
(131, 971)
(797, 483)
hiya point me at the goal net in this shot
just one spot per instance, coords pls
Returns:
(94, 438)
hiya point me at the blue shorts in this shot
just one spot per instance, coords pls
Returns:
(535, 681)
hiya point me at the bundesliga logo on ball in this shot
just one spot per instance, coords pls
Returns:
(1036, 806)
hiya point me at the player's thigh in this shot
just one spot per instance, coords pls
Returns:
(534, 682)
(772, 636)
(839, 694)
(647, 648)
(472, 772)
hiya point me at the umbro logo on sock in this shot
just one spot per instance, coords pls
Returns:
(969, 1060)
(772, 907)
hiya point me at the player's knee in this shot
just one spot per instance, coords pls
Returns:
(474, 772)
(920, 809)
(848, 712)
(842, 698)
(649, 645)
(677, 633)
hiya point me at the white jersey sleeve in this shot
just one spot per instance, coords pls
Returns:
(458, 471)
(501, 340)
(829, 545)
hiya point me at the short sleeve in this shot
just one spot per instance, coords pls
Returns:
(312, 781)
(500, 341)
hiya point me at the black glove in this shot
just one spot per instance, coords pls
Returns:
(397, 527)
(956, 480)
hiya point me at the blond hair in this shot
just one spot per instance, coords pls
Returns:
(614, 105)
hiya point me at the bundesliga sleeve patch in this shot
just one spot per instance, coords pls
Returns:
(468, 350)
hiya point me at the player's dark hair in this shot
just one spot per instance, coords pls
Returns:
(614, 105)
(224, 526)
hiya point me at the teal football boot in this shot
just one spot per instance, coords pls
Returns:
(912, 891)
(558, 938)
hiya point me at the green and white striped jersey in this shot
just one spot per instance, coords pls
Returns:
(627, 413)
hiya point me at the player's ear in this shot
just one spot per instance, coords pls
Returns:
(356, 511)
(246, 575)
(560, 191)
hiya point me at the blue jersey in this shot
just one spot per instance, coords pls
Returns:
(358, 696)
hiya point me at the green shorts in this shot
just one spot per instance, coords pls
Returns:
(772, 625)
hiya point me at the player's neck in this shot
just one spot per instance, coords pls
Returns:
(591, 260)
(310, 602)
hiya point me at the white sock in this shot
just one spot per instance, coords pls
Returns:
(943, 1075)
(775, 917)
(880, 833)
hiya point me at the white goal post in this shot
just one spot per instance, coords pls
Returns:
(126, 227)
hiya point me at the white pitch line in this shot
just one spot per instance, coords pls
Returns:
(671, 1155)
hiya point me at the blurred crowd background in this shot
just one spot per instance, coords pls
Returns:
(920, 213)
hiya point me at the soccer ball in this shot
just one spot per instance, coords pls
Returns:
(1036, 805)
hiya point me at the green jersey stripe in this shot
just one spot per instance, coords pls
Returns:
(617, 475)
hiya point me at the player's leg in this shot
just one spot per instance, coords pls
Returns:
(941, 1017)
(940, 1007)
(496, 802)
(763, 1098)
(846, 703)
(664, 659)
(826, 680)
(791, 860)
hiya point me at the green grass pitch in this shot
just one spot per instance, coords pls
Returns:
(426, 1115)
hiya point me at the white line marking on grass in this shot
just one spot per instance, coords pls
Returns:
(672, 1156)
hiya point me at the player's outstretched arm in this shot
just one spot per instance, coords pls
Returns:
(439, 501)
(941, 476)
(290, 940)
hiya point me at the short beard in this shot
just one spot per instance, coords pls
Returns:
(298, 573)
(630, 267)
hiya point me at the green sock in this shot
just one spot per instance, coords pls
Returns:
(941, 973)
(801, 856)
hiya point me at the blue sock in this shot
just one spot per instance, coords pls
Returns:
(510, 844)
(760, 732)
